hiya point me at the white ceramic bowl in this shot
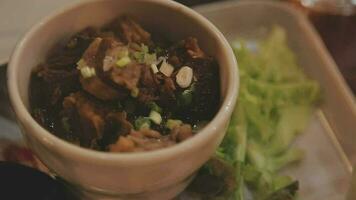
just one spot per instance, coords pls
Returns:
(159, 174)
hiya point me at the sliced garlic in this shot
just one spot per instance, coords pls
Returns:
(155, 117)
(87, 72)
(166, 68)
(154, 68)
(184, 77)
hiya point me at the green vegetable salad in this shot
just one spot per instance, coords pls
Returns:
(275, 102)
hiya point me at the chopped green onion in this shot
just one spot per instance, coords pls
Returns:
(150, 58)
(122, 62)
(144, 48)
(135, 92)
(155, 117)
(172, 123)
(143, 55)
(142, 123)
(155, 107)
(139, 56)
(87, 72)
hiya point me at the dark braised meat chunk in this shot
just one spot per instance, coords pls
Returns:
(193, 49)
(181, 133)
(123, 127)
(87, 118)
(130, 31)
(100, 90)
(93, 58)
(127, 77)
(142, 140)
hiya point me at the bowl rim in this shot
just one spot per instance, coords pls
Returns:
(75, 152)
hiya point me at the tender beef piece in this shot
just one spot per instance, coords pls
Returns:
(148, 85)
(169, 86)
(66, 57)
(193, 49)
(123, 144)
(117, 125)
(128, 76)
(94, 54)
(142, 140)
(122, 78)
(147, 95)
(123, 126)
(174, 60)
(181, 133)
(95, 85)
(177, 54)
(52, 85)
(130, 31)
(86, 117)
(167, 93)
(148, 78)
(184, 51)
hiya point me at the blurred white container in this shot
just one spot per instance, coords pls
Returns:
(344, 7)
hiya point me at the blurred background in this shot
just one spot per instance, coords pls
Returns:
(335, 21)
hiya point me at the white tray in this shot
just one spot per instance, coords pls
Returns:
(325, 172)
